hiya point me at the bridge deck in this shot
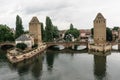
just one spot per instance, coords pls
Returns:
(66, 43)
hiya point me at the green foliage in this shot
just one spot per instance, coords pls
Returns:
(55, 32)
(115, 28)
(35, 46)
(43, 32)
(21, 46)
(108, 34)
(92, 31)
(26, 32)
(71, 27)
(49, 30)
(73, 31)
(19, 27)
(68, 37)
(5, 33)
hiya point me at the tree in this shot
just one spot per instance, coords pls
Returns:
(6, 34)
(108, 34)
(26, 32)
(73, 31)
(92, 32)
(55, 32)
(35, 46)
(19, 27)
(43, 32)
(49, 30)
(115, 28)
(71, 27)
(21, 46)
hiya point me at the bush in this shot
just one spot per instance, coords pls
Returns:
(35, 46)
(21, 46)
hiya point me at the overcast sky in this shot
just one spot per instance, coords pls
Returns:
(80, 13)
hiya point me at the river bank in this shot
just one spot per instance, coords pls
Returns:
(16, 56)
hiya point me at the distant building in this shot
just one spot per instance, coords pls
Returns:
(35, 30)
(99, 29)
(85, 34)
(114, 34)
(12, 30)
(62, 33)
(25, 38)
(119, 34)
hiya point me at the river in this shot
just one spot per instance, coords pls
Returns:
(51, 65)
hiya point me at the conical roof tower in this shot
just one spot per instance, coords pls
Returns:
(35, 30)
(99, 29)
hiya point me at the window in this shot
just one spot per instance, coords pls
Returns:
(96, 21)
(104, 21)
(99, 21)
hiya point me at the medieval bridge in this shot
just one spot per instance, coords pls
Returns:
(7, 44)
(66, 44)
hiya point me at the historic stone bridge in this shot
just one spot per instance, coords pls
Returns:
(66, 44)
(7, 44)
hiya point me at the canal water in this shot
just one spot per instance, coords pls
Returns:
(52, 65)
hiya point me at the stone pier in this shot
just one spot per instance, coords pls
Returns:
(99, 48)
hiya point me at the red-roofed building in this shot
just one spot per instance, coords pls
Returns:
(85, 34)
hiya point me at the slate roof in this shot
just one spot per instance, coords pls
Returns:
(34, 20)
(99, 16)
(24, 37)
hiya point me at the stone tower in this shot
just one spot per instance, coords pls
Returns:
(35, 30)
(99, 29)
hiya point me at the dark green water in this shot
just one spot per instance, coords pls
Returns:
(63, 66)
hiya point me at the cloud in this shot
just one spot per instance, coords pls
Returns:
(79, 12)
(44, 7)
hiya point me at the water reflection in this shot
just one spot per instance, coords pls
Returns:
(68, 65)
(99, 67)
(33, 66)
(50, 60)
(37, 68)
(2, 55)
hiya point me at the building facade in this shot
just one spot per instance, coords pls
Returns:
(35, 30)
(99, 29)
(85, 34)
(26, 39)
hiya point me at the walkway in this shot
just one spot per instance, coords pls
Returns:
(15, 56)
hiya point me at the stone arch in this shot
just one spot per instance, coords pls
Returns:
(48, 46)
(7, 45)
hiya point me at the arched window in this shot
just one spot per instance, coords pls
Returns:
(96, 21)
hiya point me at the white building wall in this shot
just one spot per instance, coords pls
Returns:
(29, 43)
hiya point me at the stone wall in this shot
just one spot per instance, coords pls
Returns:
(99, 48)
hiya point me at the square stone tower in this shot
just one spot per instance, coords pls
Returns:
(35, 30)
(99, 29)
